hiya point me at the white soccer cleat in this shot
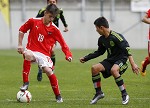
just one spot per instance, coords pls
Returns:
(25, 86)
(59, 99)
(125, 99)
(97, 97)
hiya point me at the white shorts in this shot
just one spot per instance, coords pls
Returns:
(41, 59)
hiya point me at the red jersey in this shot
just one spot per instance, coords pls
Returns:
(148, 13)
(41, 37)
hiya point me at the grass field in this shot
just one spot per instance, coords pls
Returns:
(75, 83)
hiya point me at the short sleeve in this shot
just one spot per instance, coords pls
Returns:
(26, 26)
(148, 13)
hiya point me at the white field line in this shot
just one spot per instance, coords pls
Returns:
(76, 99)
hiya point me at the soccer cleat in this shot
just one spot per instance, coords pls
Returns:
(39, 75)
(25, 86)
(125, 99)
(59, 99)
(97, 97)
(142, 71)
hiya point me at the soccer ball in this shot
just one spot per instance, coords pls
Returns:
(24, 96)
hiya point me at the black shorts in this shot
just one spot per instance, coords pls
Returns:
(108, 65)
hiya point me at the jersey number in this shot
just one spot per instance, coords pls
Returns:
(40, 38)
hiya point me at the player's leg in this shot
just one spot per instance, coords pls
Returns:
(53, 58)
(54, 83)
(120, 83)
(25, 74)
(39, 75)
(144, 65)
(47, 65)
(26, 71)
(96, 79)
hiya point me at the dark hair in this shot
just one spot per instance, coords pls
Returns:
(101, 21)
(52, 8)
(48, 1)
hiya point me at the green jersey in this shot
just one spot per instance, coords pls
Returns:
(116, 46)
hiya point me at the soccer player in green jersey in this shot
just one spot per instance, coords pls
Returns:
(118, 52)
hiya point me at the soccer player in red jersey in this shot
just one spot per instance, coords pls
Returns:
(56, 22)
(43, 34)
(26, 64)
(147, 59)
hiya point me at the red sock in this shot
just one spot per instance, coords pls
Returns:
(54, 84)
(26, 70)
(146, 62)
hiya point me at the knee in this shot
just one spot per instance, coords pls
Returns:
(94, 70)
(27, 56)
(48, 71)
(114, 72)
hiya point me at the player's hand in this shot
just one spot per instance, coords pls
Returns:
(20, 49)
(82, 60)
(69, 59)
(66, 29)
(135, 69)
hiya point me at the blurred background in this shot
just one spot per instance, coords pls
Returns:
(124, 17)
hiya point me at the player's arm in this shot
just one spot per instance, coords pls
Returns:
(146, 19)
(63, 20)
(135, 68)
(20, 39)
(64, 46)
(23, 29)
(123, 44)
(93, 55)
(127, 51)
(100, 51)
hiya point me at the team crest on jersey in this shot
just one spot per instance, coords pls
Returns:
(112, 43)
(37, 27)
(49, 33)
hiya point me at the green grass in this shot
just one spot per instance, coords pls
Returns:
(74, 81)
